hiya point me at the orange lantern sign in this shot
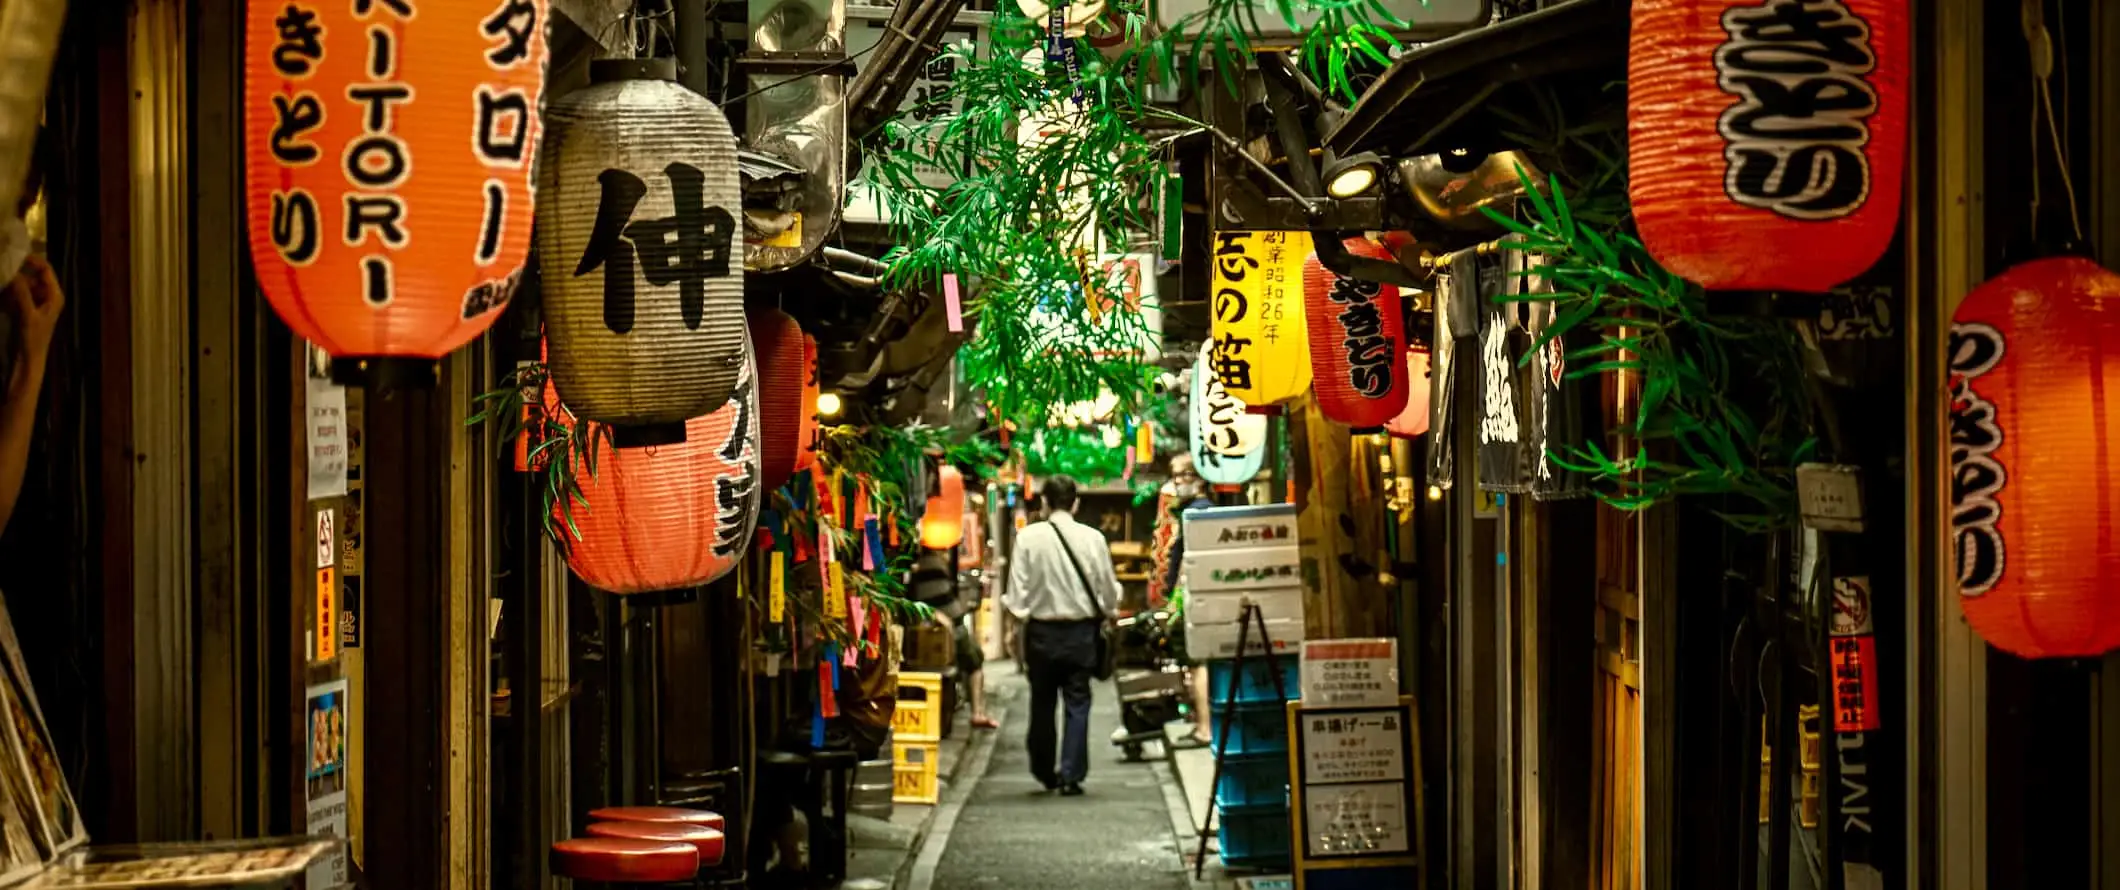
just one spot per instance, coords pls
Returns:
(806, 456)
(2033, 357)
(388, 158)
(671, 516)
(1767, 138)
(942, 526)
(1357, 342)
(783, 378)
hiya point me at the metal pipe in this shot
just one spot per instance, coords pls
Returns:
(690, 33)
(861, 262)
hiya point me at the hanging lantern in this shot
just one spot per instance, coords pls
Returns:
(1767, 138)
(637, 230)
(942, 526)
(2033, 356)
(808, 435)
(1357, 342)
(1258, 346)
(783, 379)
(1216, 416)
(671, 516)
(1414, 420)
(384, 228)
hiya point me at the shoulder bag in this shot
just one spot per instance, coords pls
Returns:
(1105, 665)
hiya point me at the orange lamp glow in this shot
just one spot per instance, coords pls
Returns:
(942, 526)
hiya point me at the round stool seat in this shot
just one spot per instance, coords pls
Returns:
(625, 860)
(708, 841)
(660, 815)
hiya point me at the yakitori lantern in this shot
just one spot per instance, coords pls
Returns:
(783, 381)
(637, 233)
(1357, 342)
(2035, 409)
(388, 157)
(942, 526)
(806, 456)
(1414, 420)
(1257, 346)
(670, 516)
(1767, 138)
(1216, 415)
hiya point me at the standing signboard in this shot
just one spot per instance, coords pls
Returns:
(1355, 798)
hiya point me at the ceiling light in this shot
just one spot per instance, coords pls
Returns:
(1352, 176)
(828, 404)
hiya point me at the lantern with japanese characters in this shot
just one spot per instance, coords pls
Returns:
(672, 516)
(1218, 421)
(942, 525)
(2035, 407)
(810, 436)
(1357, 342)
(388, 153)
(1414, 420)
(1767, 138)
(783, 384)
(637, 231)
(1257, 344)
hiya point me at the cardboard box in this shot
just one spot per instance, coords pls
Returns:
(1208, 529)
(1252, 568)
(1227, 606)
(1211, 641)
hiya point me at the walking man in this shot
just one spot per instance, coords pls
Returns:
(1062, 587)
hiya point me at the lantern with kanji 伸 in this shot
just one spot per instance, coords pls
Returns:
(667, 517)
(942, 525)
(1257, 343)
(1767, 138)
(1216, 417)
(1357, 342)
(1414, 420)
(643, 271)
(387, 171)
(2035, 404)
(783, 384)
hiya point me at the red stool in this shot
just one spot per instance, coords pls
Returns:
(660, 816)
(625, 861)
(709, 841)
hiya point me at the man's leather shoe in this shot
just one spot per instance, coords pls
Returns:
(1071, 789)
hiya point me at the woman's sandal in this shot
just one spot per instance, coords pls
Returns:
(985, 723)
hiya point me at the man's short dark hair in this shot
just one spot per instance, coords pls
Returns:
(1058, 492)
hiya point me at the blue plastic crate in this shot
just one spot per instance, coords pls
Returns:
(1253, 781)
(1257, 729)
(1256, 685)
(1253, 837)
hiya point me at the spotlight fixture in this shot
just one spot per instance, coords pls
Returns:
(1354, 175)
(828, 404)
(1435, 492)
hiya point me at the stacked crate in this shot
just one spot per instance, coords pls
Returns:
(916, 730)
(1251, 799)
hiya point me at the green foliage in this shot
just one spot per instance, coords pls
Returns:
(1723, 410)
(889, 456)
(560, 449)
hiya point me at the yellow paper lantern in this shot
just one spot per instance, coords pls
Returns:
(1261, 346)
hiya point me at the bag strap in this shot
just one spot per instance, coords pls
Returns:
(1096, 606)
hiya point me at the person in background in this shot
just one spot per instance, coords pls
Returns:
(1062, 586)
(33, 302)
(1192, 492)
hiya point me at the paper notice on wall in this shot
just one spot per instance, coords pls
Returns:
(328, 454)
(1350, 673)
(325, 777)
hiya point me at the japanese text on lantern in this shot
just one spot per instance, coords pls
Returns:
(1223, 411)
(1977, 477)
(1234, 289)
(686, 248)
(1795, 138)
(733, 492)
(1369, 352)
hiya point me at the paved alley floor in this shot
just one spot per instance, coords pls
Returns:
(1010, 835)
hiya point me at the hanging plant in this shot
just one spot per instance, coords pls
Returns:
(1724, 408)
(550, 443)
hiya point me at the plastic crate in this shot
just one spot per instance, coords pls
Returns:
(1253, 781)
(1254, 837)
(1256, 684)
(918, 717)
(1258, 729)
(914, 772)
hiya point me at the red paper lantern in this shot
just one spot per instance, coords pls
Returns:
(806, 456)
(1414, 420)
(388, 162)
(1767, 138)
(2035, 407)
(1357, 342)
(942, 526)
(667, 517)
(782, 378)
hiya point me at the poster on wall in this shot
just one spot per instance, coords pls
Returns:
(327, 429)
(39, 819)
(326, 778)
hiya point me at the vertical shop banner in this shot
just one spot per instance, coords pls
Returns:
(326, 777)
(328, 451)
(327, 614)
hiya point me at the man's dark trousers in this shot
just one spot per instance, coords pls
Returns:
(1060, 657)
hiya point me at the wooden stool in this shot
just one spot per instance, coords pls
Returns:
(660, 815)
(709, 841)
(625, 861)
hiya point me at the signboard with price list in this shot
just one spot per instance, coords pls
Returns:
(1356, 799)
